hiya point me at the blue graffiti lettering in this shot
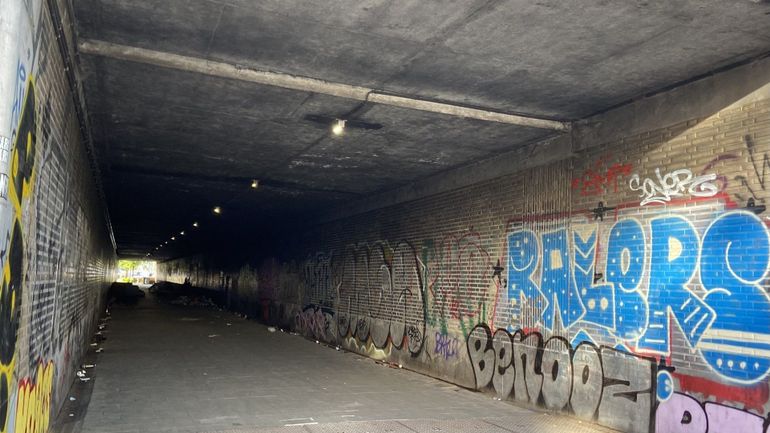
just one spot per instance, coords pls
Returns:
(734, 260)
(556, 281)
(523, 255)
(598, 299)
(709, 286)
(625, 268)
(672, 266)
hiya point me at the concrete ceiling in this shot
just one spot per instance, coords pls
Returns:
(173, 143)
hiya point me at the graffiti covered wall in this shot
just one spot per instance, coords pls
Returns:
(626, 285)
(54, 244)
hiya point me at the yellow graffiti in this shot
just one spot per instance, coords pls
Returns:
(33, 407)
(21, 179)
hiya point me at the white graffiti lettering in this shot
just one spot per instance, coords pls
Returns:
(674, 184)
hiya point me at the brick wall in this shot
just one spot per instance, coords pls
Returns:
(626, 284)
(56, 251)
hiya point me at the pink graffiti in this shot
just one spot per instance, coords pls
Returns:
(313, 322)
(684, 414)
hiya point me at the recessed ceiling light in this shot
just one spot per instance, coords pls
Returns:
(254, 183)
(339, 127)
(217, 210)
(173, 238)
(182, 233)
(195, 224)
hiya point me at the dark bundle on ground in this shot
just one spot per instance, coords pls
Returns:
(124, 293)
(187, 295)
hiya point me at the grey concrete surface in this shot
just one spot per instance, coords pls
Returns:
(175, 369)
(185, 142)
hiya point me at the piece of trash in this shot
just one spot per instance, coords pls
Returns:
(99, 350)
(317, 342)
(85, 379)
(213, 335)
(271, 329)
(229, 324)
(72, 414)
(94, 344)
(81, 373)
(72, 399)
(400, 366)
(89, 365)
(338, 347)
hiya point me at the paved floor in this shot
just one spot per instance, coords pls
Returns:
(176, 369)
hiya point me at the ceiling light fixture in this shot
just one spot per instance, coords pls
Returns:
(254, 184)
(182, 233)
(195, 224)
(217, 210)
(339, 127)
(173, 238)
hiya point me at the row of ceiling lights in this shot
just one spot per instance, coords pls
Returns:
(338, 128)
(216, 210)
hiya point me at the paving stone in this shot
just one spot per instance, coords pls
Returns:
(162, 374)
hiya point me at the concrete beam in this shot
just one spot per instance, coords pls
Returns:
(305, 84)
(698, 99)
(694, 100)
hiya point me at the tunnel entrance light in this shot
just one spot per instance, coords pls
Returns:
(339, 127)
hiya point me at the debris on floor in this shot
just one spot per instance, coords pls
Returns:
(124, 293)
(193, 301)
(186, 295)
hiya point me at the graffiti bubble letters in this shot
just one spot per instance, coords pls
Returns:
(615, 388)
(316, 322)
(381, 296)
(651, 270)
(33, 407)
(674, 184)
(684, 414)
